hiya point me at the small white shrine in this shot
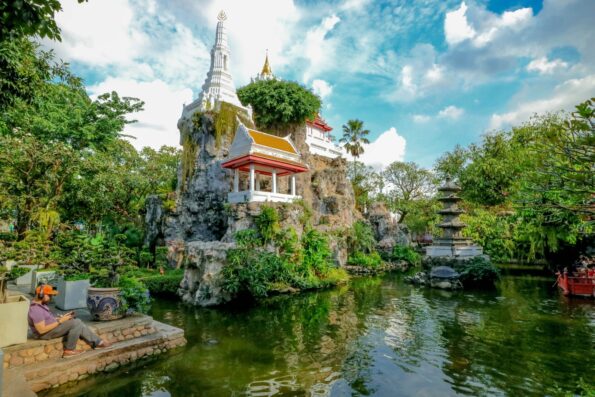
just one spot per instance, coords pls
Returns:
(218, 86)
(262, 156)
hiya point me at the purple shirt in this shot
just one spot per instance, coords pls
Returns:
(39, 313)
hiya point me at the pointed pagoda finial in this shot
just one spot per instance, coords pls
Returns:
(222, 16)
(266, 69)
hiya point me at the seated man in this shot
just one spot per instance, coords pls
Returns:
(45, 325)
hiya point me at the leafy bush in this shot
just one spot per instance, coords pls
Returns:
(478, 271)
(372, 260)
(166, 284)
(279, 103)
(404, 253)
(161, 257)
(316, 251)
(267, 223)
(134, 295)
(361, 238)
(16, 272)
(8, 236)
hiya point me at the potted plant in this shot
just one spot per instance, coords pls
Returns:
(13, 312)
(112, 295)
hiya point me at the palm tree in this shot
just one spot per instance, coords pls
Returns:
(354, 136)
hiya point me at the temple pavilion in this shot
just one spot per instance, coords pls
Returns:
(262, 157)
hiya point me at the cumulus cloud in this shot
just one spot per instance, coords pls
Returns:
(386, 149)
(543, 66)
(484, 27)
(421, 118)
(157, 123)
(451, 112)
(565, 96)
(456, 26)
(322, 88)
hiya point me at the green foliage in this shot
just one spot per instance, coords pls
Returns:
(8, 236)
(16, 272)
(161, 257)
(166, 284)
(145, 258)
(361, 238)
(134, 295)
(226, 122)
(478, 271)
(278, 104)
(404, 253)
(371, 260)
(367, 184)
(270, 259)
(409, 186)
(354, 137)
(267, 223)
(189, 152)
(29, 18)
(361, 246)
(316, 252)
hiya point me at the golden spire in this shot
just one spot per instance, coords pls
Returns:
(266, 69)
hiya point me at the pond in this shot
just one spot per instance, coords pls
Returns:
(376, 336)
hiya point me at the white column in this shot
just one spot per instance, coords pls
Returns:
(274, 181)
(236, 180)
(293, 184)
(251, 177)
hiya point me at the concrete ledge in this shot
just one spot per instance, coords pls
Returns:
(38, 350)
(57, 371)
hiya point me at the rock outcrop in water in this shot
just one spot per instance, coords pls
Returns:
(201, 228)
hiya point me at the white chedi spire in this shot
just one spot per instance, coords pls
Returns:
(219, 86)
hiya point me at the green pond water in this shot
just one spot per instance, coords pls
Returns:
(376, 336)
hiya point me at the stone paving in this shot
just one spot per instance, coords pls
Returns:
(38, 364)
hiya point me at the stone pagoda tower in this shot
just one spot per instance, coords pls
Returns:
(218, 86)
(452, 244)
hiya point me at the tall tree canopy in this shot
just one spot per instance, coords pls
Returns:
(278, 104)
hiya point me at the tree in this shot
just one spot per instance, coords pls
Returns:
(20, 18)
(451, 164)
(354, 138)
(406, 183)
(33, 177)
(278, 104)
(367, 184)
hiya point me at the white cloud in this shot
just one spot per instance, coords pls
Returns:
(317, 49)
(386, 149)
(565, 97)
(456, 26)
(157, 123)
(322, 88)
(543, 66)
(451, 112)
(480, 26)
(421, 118)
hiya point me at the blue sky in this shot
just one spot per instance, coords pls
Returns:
(423, 75)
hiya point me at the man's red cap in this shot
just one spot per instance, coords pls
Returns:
(47, 290)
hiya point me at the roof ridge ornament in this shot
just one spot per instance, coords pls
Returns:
(222, 16)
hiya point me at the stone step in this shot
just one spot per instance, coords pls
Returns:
(51, 373)
(36, 350)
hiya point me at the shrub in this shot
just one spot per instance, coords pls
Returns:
(161, 257)
(8, 236)
(404, 253)
(267, 223)
(166, 284)
(16, 272)
(361, 238)
(372, 260)
(134, 295)
(317, 254)
(478, 271)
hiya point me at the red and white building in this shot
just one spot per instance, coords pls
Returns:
(319, 139)
(261, 156)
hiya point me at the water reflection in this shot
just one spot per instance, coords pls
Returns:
(376, 337)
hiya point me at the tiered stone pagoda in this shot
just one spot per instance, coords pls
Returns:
(452, 243)
(262, 156)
